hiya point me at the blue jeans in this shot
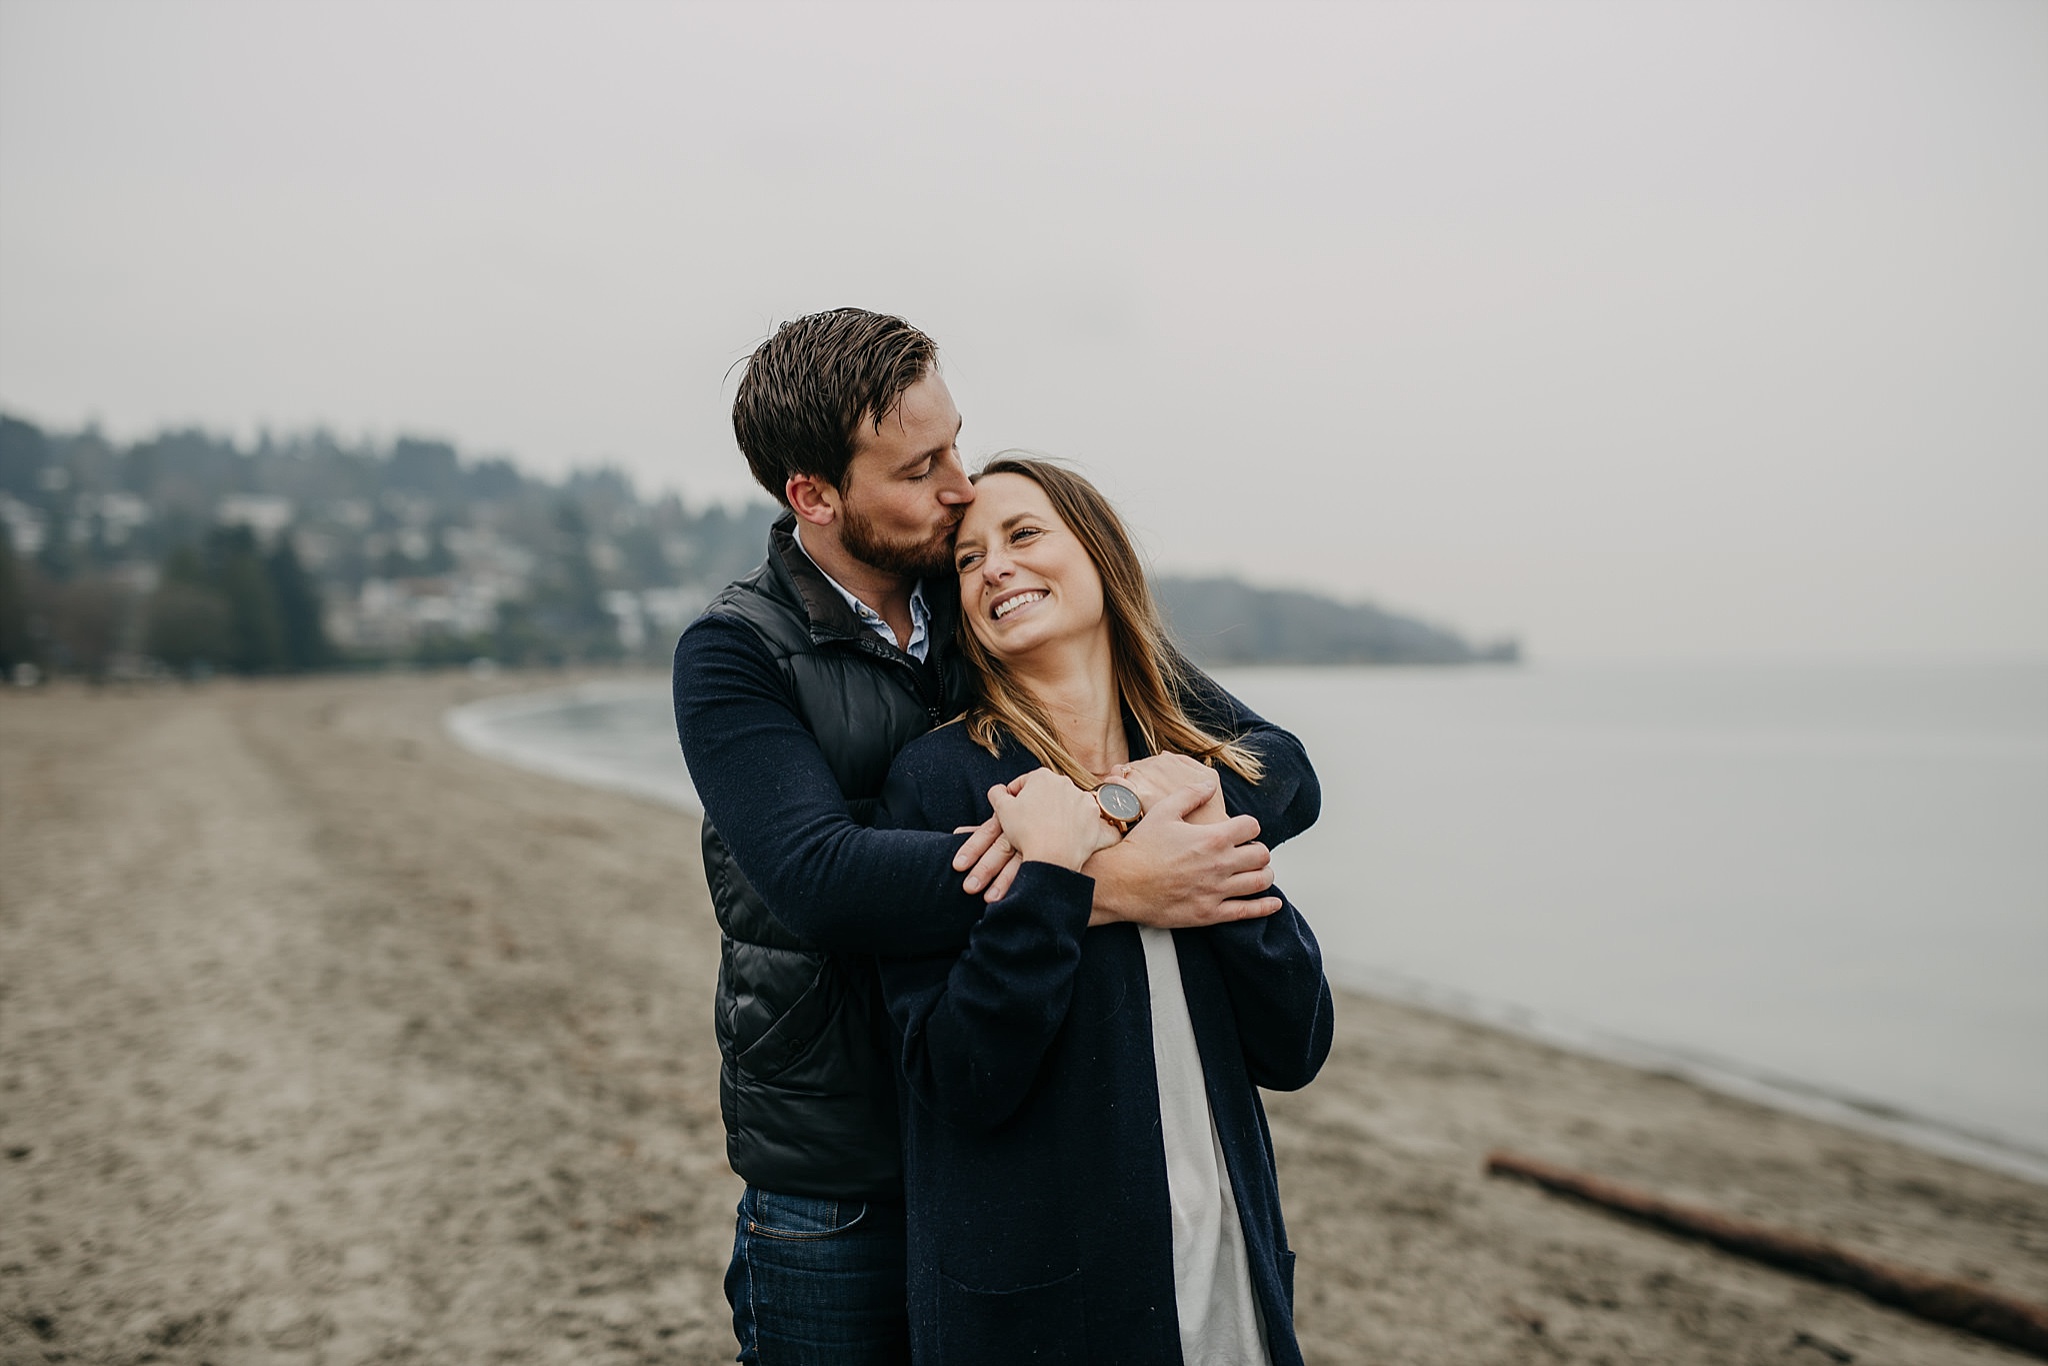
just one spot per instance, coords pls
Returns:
(818, 1282)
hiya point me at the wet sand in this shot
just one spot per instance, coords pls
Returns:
(325, 1041)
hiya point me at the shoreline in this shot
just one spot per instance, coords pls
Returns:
(1809, 1100)
(323, 1039)
(474, 726)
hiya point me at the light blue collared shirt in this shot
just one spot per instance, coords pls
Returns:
(920, 612)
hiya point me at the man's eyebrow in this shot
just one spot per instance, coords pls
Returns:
(912, 462)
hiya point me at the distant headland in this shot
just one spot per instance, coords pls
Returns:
(1222, 620)
(189, 553)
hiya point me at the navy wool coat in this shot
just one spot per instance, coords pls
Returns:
(1039, 1223)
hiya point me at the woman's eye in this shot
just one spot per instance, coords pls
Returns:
(966, 563)
(1023, 533)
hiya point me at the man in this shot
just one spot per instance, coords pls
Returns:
(793, 693)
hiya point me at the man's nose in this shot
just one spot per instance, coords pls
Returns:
(958, 489)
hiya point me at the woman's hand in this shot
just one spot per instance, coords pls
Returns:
(1154, 778)
(1050, 820)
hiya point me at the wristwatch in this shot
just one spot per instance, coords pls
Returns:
(1120, 806)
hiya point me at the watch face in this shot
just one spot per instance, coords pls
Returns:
(1119, 801)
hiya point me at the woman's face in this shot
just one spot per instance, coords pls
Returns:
(1025, 580)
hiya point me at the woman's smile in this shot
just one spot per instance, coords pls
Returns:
(1014, 601)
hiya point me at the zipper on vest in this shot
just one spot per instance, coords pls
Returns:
(921, 681)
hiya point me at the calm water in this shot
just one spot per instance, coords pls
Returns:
(1825, 885)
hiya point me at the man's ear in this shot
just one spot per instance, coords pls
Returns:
(812, 499)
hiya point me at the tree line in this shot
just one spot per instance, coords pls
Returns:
(188, 552)
(222, 604)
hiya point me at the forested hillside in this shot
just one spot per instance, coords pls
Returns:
(188, 553)
(1227, 621)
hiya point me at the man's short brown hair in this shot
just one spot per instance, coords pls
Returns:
(808, 388)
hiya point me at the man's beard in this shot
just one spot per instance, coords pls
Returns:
(912, 559)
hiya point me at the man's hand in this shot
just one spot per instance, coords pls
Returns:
(1171, 873)
(988, 858)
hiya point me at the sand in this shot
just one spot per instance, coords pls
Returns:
(325, 1041)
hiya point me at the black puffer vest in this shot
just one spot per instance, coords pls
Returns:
(807, 1084)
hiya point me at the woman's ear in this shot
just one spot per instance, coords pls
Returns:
(812, 499)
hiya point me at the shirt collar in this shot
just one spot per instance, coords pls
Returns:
(919, 644)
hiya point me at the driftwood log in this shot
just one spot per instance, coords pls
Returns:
(1957, 1304)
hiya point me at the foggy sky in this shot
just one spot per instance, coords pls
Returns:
(1642, 331)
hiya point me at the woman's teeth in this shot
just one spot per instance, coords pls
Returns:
(1009, 605)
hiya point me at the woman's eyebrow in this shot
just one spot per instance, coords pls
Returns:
(974, 541)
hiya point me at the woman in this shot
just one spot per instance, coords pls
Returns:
(1088, 1172)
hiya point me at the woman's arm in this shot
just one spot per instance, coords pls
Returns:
(1272, 968)
(975, 1026)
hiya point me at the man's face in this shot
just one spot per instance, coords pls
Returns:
(903, 491)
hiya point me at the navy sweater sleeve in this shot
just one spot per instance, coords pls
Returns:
(1287, 800)
(768, 791)
(1273, 969)
(975, 1026)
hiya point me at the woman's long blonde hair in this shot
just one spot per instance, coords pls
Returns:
(1150, 674)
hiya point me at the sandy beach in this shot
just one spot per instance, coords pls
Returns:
(323, 1040)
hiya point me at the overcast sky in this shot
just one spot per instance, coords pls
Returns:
(1638, 330)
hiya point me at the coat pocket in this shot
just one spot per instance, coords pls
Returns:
(1036, 1323)
(796, 1029)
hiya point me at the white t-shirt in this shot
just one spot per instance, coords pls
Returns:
(1220, 1323)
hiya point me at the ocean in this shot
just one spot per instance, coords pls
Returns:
(1821, 886)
